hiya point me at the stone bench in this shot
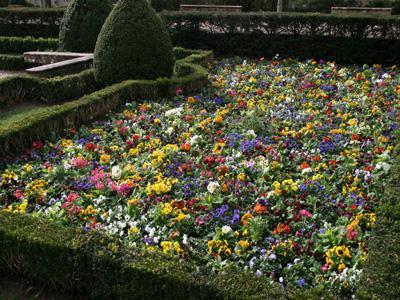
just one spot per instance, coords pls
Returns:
(58, 63)
(217, 8)
(361, 11)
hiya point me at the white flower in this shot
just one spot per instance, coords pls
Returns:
(383, 165)
(174, 112)
(169, 130)
(116, 172)
(185, 239)
(250, 133)
(212, 186)
(194, 139)
(306, 170)
(226, 229)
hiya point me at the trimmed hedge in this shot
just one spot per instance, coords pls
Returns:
(55, 119)
(99, 267)
(36, 22)
(381, 273)
(133, 44)
(12, 62)
(25, 88)
(81, 24)
(346, 39)
(24, 44)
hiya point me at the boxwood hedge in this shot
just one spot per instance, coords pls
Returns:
(26, 88)
(24, 44)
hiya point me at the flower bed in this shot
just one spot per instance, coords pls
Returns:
(277, 168)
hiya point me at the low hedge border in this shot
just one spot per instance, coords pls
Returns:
(381, 273)
(12, 62)
(98, 266)
(24, 44)
(56, 118)
(26, 88)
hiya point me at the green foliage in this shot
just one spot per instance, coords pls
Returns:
(98, 266)
(36, 22)
(40, 124)
(12, 62)
(15, 89)
(133, 44)
(3, 3)
(345, 39)
(381, 274)
(24, 44)
(322, 6)
(81, 24)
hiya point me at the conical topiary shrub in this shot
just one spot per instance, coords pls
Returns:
(81, 24)
(133, 44)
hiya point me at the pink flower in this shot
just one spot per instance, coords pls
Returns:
(324, 268)
(305, 213)
(18, 194)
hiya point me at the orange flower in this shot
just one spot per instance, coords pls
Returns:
(260, 209)
(185, 147)
(245, 217)
(191, 100)
(304, 165)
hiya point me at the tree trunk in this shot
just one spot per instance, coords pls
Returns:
(279, 6)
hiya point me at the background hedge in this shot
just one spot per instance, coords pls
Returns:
(36, 22)
(24, 44)
(346, 39)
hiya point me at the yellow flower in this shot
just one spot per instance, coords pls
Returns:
(241, 177)
(66, 143)
(180, 217)
(218, 147)
(218, 119)
(27, 168)
(191, 100)
(133, 230)
(352, 122)
(341, 267)
(105, 159)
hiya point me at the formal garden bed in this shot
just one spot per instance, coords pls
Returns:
(277, 168)
(201, 178)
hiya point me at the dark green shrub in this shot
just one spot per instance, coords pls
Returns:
(81, 24)
(12, 62)
(3, 3)
(345, 39)
(24, 44)
(133, 44)
(30, 21)
(322, 6)
(159, 5)
(17, 2)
